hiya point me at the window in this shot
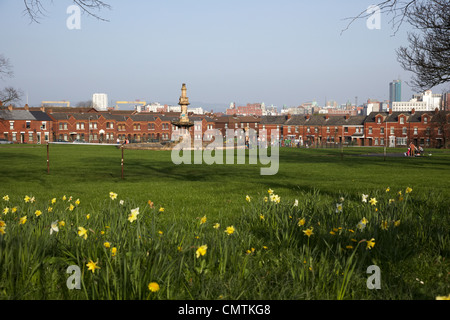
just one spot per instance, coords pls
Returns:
(402, 120)
(392, 130)
(308, 129)
(30, 137)
(381, 130)
(378, 120)
(439, 131)
(316, 129)
(44, 126)
(14, 136)
(11, 125)
(382, 141)
(415, 130)
(28, 126)
(401, 141)
(289, 129)
(425, 120)
(370, 130)
(405, 131)
(376, 141)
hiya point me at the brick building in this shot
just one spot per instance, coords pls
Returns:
(25, 126)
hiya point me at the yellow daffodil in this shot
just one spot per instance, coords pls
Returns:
(443, 297)
(161, 209)
(133, 215)
(270, 191)
(391, 201)
(5, 211)
(229, 230)
(2, 230)
(53, 201)
(301, 222)
(388, 189)
(384, 225)
(397, 223)
(408, 190)
(14, 209)
(113, 251)
(6, 198)
(32, 199)
(23, 220)
(373, 201)
(49, 209)
(38, 213)
(153, 287)
(370, 243)
(113, 195)
(71, 207)
(216, 226)
(266, 199)
(92, 266)
(248, 198)
(61, 223)
(261, 217)
(107, 244)
(82, 232)
(26, 199)
(77, 202)
(64, 198)
(203, 220)
(88, 216)
(308, 232)
(201, 251)
(2, 224)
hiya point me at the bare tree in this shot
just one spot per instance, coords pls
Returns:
(35, 9)
(10, 95)
(5, 68)
(428, 54)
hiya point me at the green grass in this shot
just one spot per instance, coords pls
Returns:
(284, 263)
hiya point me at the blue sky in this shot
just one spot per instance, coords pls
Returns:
(283, 52)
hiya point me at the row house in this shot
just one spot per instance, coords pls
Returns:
(399, 129)
(324, 130)
(25, 126)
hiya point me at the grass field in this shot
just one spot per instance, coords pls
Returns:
(268, 256)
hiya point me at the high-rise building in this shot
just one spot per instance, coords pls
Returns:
(100, 101)
(395, 91)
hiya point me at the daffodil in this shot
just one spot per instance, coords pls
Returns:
(6, 198)
(201, 251)
(270, 191)
(362, 224)
(6, 210)
(161, 209)
(107, 244)
(388, 189)
(408, 190)
(61, 223)
(203, 220)
(113, 195)
(397, 223)
(370, 243)
(391, 201)
(275, 198)
(373, 201)
(248, 198)
(364, 197)
(26, 199)
(2, 230)
(71, 207)
(121, 202)
(92, 266)
(384, 225)
(14, 209)
(23, 220)
(38, 213)
(49, 209)
(301, 222)
(338, 207)
(53, 201)
(133, 215)
(295, 203)
(216, 226)
(54, 227)
(77, 202)
(308, 232)
(229, 230)
(261, 217)
(113, 251)
(82, 232)
(153, 287)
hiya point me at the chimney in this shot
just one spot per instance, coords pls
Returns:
(436, 111)
(1, 103)
(43, 109)
(289, 116)
(26, 107)
(413, 111)
(50, 111)
(308, 116)
(327, 117)
(390, 110)
(347, 116)
(10, 107)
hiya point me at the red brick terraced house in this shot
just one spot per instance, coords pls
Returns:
(324, 130)
(399, 129)
(25, 126)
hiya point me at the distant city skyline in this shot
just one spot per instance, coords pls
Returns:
(280, 53)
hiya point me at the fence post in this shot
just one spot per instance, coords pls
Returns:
(122, 160)
(48, 159)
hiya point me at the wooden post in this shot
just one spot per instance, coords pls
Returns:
(48, 159)
(122, 160)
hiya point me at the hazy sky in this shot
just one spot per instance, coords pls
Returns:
(282, 52)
